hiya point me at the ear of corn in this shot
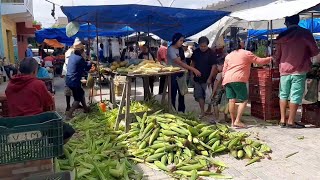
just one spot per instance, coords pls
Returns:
(157, 140)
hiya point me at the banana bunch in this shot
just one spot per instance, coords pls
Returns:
(183, 147)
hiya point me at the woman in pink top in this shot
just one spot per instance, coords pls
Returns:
(236, 72)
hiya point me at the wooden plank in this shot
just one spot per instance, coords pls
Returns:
(128, 94)
(169, 94)
(132, 115)
(164, 92)
(121, 106)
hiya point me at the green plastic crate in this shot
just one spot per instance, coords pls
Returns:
(31, 138)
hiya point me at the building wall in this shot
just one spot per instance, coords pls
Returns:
(8, 33)
(23, 33)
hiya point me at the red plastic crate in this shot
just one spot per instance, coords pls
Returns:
(264, 73)
(310, 114)
(263, 94)
(265, 112)
(264, 77)
(4, 110)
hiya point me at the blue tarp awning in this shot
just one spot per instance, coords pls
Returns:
(85, 31)
(307, 23)
(161, 21)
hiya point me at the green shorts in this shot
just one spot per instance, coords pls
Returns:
(237, 90)
(292, 88)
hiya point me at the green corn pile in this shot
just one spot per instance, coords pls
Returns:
(175, 144)
(183, 147)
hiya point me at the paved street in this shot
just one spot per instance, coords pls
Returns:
(303, 165)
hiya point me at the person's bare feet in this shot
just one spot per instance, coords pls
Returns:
(238, 124)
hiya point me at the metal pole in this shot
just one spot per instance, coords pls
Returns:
(271, 41)
(312, 26)
(88, 50)
(99, 74)
(149, 41)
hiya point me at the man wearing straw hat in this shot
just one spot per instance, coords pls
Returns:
(76, 67)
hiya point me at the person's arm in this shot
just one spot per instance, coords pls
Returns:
(46, 97)
(313, 48)
(216, 85)
(214, 68)
(255, 59)
(213, 74)
(178, 61)
(277, 56)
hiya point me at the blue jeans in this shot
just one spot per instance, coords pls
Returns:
(174, 91)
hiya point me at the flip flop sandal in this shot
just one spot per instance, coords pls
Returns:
(295, 126)
(282, 125)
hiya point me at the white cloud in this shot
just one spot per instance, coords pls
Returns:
(42, 9)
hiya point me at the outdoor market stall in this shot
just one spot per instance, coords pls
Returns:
(85, 31)
(161, 21)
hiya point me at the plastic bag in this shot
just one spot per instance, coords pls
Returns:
(182, 84)
(312, 90)
(208, 95)
(224, 104)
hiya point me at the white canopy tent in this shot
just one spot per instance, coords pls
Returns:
(258, 18)
(275, 10)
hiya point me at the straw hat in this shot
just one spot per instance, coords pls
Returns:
(77, 44)
(38, 60)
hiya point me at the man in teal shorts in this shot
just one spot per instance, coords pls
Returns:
(294, 49)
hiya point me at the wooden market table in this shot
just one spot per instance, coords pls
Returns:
(126, 93)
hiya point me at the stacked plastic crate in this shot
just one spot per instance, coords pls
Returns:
(263, 93)
(310, 114)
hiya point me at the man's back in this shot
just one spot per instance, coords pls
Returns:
(27, 96)
(295, 47)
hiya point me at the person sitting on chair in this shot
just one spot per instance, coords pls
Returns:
(25, 88)
(42, 72)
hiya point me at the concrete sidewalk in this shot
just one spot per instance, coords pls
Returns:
(303, 165)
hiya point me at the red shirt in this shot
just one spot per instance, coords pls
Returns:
(27, 95)
(162, 54)
(294, 49)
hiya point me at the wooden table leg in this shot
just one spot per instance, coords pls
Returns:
(112, 95)
(146, 89)
(128, 94)
(169, 93)
(123, 98)
(164, 92)
(135, 89)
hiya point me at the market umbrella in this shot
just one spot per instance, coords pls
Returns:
(53, 43)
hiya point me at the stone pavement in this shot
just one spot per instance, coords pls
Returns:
(303, 165)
